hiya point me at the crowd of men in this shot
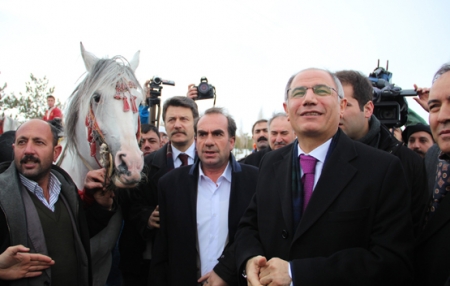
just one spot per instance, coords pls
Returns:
(328, 197)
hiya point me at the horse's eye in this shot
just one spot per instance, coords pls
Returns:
(96, 97)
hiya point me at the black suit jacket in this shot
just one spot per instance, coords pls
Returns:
(356, 229)
(255, 158)
(175, 253)
(138, 204)
(432, 252)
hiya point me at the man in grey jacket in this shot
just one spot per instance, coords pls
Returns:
(40, 208)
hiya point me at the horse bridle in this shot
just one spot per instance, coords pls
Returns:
(95, 134)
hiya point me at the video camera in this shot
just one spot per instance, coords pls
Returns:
(390, 106)
(154, 86)
(205, 90)
(153, 97)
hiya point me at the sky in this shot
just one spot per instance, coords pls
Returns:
(247, 49)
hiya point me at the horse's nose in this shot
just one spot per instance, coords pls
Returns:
(129, 166)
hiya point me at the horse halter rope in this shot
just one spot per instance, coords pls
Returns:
(95, 134)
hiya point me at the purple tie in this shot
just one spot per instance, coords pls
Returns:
(308, 164)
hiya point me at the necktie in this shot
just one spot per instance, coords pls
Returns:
(184, 159)
(442, 185)
(308, 164)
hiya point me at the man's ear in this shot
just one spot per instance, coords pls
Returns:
(368, 109)
(342, 105)
(56, 152)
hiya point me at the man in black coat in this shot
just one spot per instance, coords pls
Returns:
(355, 228)
(200, 208)
(360, 124)
(142, 216)
(432, 254)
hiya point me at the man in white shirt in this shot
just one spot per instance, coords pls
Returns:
(200, 207)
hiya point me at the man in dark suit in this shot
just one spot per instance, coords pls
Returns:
(360, 124)
(200, 208)
(432, 254)
(344, 221)
(179, 114)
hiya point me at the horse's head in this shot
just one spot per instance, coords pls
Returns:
(108, 100)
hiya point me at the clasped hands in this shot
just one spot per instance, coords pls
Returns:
(274, 272)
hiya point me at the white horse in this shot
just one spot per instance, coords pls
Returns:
(102, 129)
(8, 123)
(102, 125)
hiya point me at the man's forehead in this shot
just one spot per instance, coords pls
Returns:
(261, 125)
(149, 134)
(440, 90)
(420, 134)
(313, 75)
(178, 111)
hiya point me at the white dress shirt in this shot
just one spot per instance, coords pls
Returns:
(213, 200)
(190, 152)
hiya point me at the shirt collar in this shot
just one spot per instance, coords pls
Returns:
(190, 152)
(225, 175)
(320, 153)
(34, 187)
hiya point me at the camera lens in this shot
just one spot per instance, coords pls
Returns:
(203, 88)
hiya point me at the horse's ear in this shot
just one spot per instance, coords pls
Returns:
(88, 58)
(135, 61)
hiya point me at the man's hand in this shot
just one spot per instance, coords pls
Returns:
(95, 179)
(212, 279)
(423, 93)
(276, 273)
(153, 220)
(95, 183)
(16, 263)
(192, 91)
(253, 268)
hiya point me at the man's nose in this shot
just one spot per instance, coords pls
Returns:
(310, 97)
(29, 148)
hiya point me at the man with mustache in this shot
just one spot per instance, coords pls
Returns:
(359, 123)
(418, 138)
(260, 134)
(280, 134)
(41, 210)
(327, 210)
(201, 206)
(179, 114)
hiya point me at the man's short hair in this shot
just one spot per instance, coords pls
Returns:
(340, 90)
(145, 128)
(180, 101)
(218, 110)
(362, 87)
(276, 115)
(50, 96)
(257, 122)
(443, 69)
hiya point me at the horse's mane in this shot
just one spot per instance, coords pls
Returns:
(105, 72)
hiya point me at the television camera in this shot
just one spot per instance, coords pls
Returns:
(390, 106)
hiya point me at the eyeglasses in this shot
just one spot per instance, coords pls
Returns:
(319, 89)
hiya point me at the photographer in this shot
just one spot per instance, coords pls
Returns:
(360, 124)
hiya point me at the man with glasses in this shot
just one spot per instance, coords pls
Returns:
(361, 125)
(328, 211)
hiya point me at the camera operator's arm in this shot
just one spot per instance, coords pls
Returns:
(423, 93)
(192, 91)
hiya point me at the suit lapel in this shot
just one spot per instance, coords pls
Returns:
(439, 219)
(284, 166)
(336, 174)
